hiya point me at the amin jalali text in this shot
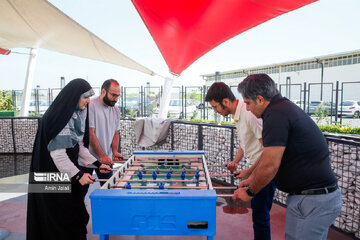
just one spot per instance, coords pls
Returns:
(61, 188)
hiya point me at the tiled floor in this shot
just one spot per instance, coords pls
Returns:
(233, 222)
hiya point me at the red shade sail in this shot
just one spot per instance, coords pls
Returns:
(184, 30)
(5, 51)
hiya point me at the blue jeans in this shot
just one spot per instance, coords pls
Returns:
(310, 216)
(100, 175)
(261, 205)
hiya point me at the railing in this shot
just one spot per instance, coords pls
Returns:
(220, 143)
(143, 101)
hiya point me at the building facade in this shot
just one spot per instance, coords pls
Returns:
(319, 73)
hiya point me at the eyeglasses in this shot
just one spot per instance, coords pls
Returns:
(113, 94)
(216, 107)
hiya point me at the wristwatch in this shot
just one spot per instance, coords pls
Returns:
(249, 192)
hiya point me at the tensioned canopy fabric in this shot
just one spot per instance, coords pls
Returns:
(184, 30)
(39, 24)
(5, 51)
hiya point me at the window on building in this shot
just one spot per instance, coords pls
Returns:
(339, 61)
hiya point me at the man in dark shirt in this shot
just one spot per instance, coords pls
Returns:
(296, 156)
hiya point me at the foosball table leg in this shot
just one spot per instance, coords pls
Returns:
(210, 237)
(104, 237)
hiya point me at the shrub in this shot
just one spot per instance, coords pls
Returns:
(323, 128)
(6, 101)
(339, 129)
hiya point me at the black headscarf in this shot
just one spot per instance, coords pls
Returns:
(57, 215)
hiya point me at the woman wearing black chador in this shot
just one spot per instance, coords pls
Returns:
(61, 142)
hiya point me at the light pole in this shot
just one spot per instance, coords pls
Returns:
(322, 78)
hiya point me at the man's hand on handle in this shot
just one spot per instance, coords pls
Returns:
(117, 157)
(241, 195)
(232, 166)
(106, 160)
(242, 174)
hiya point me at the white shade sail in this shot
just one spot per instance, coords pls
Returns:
(39, 24)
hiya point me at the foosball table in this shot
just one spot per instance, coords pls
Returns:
(157, 193)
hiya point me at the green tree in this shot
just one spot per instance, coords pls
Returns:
(6, 101)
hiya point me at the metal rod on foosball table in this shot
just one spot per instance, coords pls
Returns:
(113, 169)
(165, 187)
(224, 195)
(168, 161)
(121, 161)
(167, 169)
(165, 165)
(160, 174)
(225, 187)
(160, 180)
(217, 165)
(218, 175)
(163, 159)
(101, 180)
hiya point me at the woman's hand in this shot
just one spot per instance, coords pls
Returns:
(105, 168)
(86, 179)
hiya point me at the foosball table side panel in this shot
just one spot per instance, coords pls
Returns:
(154, 212)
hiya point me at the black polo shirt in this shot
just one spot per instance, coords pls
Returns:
(305, 163)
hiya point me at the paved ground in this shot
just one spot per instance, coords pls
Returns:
(233, 221)
(351, 122)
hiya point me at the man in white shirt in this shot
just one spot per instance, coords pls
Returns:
(249, 130)
(104, 126)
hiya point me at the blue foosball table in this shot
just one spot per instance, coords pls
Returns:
(157, 193)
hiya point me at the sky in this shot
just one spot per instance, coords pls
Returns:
(321, 28)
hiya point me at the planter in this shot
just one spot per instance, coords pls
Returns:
(7, 113)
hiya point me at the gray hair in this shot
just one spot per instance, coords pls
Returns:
(258, 84)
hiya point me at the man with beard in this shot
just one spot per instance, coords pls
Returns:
(104, 126)
(295, 157)
(249, 130)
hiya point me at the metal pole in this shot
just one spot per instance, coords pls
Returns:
(122, 101)
(185, 102)
(217, 76)
(172, 134)
(304, 107)
(24, 112)
(62, 82)
(147, 99)
(49, 97)
(322, 78)
(200, 138)
(182, 103)
(142, 101)
(13, 95)
(342, 99)
(336, 101)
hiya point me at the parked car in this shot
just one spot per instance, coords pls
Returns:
(132, 106)
(43, 106)
(313, 106)
(329, 108)
(299, 103)
(349, 108)
(175, 109)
